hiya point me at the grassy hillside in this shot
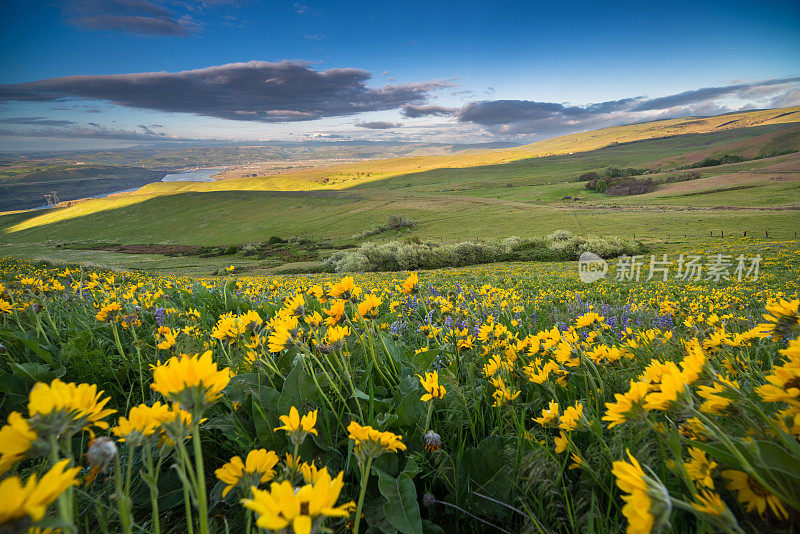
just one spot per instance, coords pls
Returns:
(524, 197)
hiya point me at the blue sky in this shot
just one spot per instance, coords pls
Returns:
(472, 71)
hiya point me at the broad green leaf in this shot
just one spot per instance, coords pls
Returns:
(402, 508)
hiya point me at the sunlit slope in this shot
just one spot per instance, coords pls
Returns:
(721, 130)
(525, 197)
(348, 175)
(237, 217)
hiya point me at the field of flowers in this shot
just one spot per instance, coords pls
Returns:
(510, 398)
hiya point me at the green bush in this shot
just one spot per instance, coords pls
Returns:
(560, 245)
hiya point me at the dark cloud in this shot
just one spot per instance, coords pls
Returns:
(143, 17)
(494, 112)
(518, 117)
(35, 121)
(137, 24)
(254, 91)
(711, 93)
(85, 132)
(379, 125)
(147, 130)
(788, 99)
(413, 111)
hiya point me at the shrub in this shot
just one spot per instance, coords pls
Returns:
(623, 185)
(587, 176)
(560, 245)
(393, 222)
(631, 187)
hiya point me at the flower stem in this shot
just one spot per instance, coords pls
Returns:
(364, 480)
(202, 497)
(65, 499)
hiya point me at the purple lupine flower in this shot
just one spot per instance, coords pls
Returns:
(161, 315)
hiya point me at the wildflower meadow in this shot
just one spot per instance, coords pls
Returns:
(502, 398)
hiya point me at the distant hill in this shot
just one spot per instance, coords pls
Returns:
(348, 175)
(711, 177)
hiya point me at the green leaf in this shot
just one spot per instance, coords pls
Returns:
(35, 372)
(423, 360)
(264, 417)
(402, 508)
(28, 342)
(298, 388)
(411, 469)
(777, 458)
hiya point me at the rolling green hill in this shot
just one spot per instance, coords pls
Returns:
(524, 196)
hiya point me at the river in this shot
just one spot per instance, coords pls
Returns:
(197, 175)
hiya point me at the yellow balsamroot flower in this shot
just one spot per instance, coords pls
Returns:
(709, 503)
(62, 408)
(700, 468)
(18, 501)
(296, 305)
(334, 313)
(692, 365)
(431, 384)
(108, 312)
(714, 508)
(316, 291)
(371, 443)
(346, 289)
(694, 429)
(561, 442)
(282, 506)
(784, 381)
(228, 327)
(256, 469)
(792, 351)
(577, 461)
(336, 334)
(628, 406)
(782, 318)
(16, 439)
(250, 320)
(285, 335)
(572, 418)
(550, 415)
(177, 425)
(166, 337)
(192, 381)
(714, 402)
(143, 421)
(588, 319)
(410, 284)
(637, 510)
(752, 494)
(789, 421)
(310, 472)
(6, 307)
(502, 392)
(496, 363)
(672, 390)
(296, 427)
(369, 306)
(313, 319)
